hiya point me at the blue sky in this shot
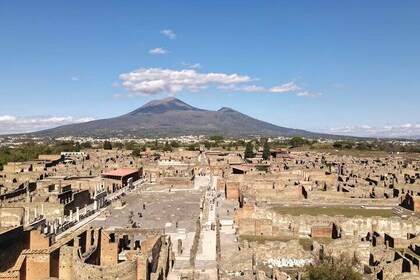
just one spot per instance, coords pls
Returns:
(331, 66)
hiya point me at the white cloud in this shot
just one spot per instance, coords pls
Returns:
(309, 94)
(115, 84)
(75, 79)
(152, 81)
(158, 51)
(168, 33)
(7, 118)
(403, 130)
(15, 124)
(252, 88)
(407, 125)
(292, 86)
(192, 65)
(249, 88)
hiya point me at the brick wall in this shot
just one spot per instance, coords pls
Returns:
(321, 231)
(38, 241)
(37, 266)
(108, 250)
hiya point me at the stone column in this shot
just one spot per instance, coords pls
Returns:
(71, 215)
(77, 214)
(36, 213)
(42, 210)
(132, 241)
(77, 242)
(88, 238)
(26, 216)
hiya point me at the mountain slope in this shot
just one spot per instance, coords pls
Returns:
(173, 117)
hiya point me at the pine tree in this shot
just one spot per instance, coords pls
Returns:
(249, 150)
(266, 151)
(107, 145)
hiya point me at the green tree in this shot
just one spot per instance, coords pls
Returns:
(297, 141)
(156, 155)
(249, 150)
(130, 145)
(338, 145)
(86, 145)
(207, 144)
(136, 152)
(240, 143)
(31, 150)
(167, 147)
(216, 138)
(174, 144)
(266, 151)
(192, 147)
(117, 145)
(107, 145)
(330, 268)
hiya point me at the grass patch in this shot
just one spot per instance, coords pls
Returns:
(261, 239)
(306, 243)
(321, 148)
(333, 211)
(354, 152)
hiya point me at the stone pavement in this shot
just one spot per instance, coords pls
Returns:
(205, 262)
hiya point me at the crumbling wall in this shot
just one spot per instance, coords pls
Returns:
(245, 219)
(108, 250)
(126, 270)
(11, 216)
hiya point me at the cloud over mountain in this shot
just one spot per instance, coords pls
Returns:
(152, 81)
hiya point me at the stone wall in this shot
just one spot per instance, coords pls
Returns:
(37, 264)
(123, 271)
(11, 216)
(232, 191)
(355, 226)
(321, 231)
(108, 250)
(12, 242)
(38, 240)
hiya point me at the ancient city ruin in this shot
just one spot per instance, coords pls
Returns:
(208, 214)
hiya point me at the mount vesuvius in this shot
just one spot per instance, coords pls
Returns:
(172, 117)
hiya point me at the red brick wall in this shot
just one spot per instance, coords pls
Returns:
(321, 231)
(38, 241)
(37, 266)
